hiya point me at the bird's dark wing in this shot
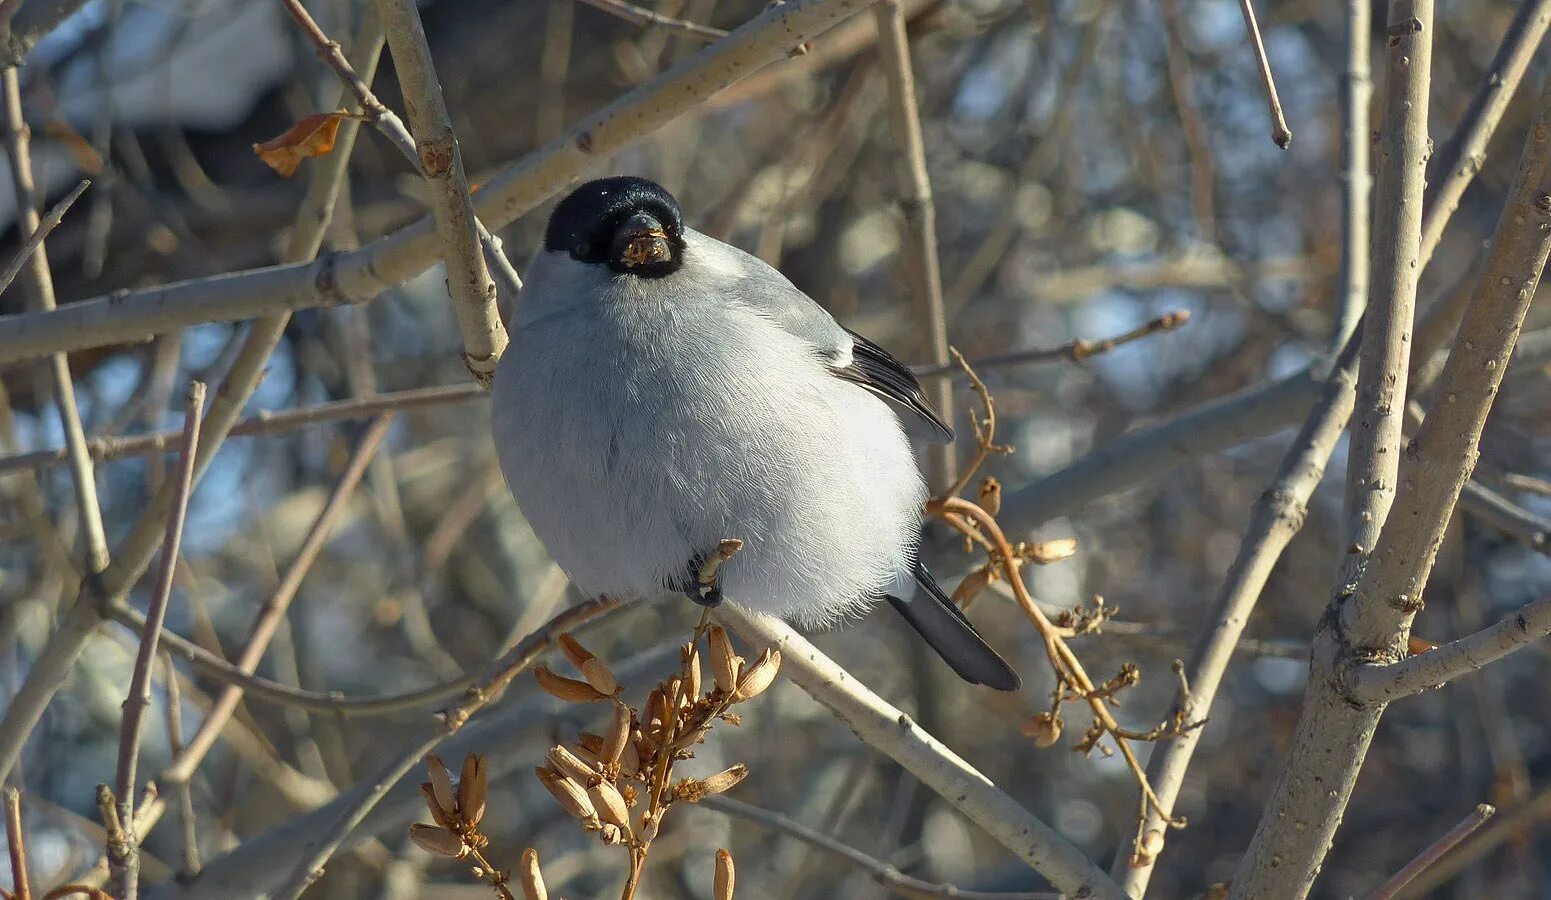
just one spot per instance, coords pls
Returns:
(875, 369)
(849, 355)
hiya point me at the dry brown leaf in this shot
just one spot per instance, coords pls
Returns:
(311, 137)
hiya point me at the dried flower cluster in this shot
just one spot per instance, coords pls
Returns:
(457, 809)
(1004, 560)
(620, 784)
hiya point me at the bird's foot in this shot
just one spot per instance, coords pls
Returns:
(704, 585)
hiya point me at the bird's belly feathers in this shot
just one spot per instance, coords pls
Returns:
(668, 445)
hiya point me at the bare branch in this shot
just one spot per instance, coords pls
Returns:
(1434, 851)
(1461, 157)
(920, 257)
(39, 282)
(127, 867)
(16, 843)
(1442, 664)
(49, 223)
(1356, 177)
(1374, 468)
(1277, 517)
(436, 145)
(883, 873)
(890, 731)
(632, 13)
(1281, 135)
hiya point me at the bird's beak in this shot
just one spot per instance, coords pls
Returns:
(641, 240)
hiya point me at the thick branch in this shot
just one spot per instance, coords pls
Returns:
(892, 732)
(1278, 515)
(1374, 465)
(468, 280)
(1442, 664)
(1336, 725)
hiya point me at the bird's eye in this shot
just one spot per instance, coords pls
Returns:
(579, 249)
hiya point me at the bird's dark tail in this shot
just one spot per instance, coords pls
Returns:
(940, 623)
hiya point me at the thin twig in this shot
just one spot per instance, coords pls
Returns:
(187, 821)
(49, 223)
(323, 845)
(632, 13)
(17, 843)
(39, 282)
(262, 423)
(1077, 351)
(436, 144)
(131, 722)
(267, 422)
(274, 609)
(884, 873)
(1281, 135)
(920, 256)
(1433, 853)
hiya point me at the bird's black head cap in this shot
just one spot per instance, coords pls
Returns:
(629, 224)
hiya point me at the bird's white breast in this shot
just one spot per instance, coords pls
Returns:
(641, 430)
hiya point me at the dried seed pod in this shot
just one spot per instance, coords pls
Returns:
(531, 878)
(649, 826)
(972, 585)
(610, 805)
(630, 760)
(471, 789)
(437, 841)
(610, 834)
(689, 660)
(597, 673)
(724, 780)
(725, 876)
(759, 676)
(991, 495)
(441, 785)
(612, 748)
(675, 693)
(572, 766)
(723, 669)
(446, 820)
(592, 743)
(570, 795)
(1044, 728)
(568, 689)
(1047, 552)
(590, 758)
(573, 650)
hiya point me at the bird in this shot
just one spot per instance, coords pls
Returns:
(665, 391)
